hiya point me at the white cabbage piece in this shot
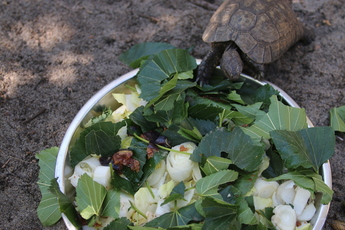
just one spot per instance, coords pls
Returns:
(102, 175)
(286, 192)
(262, 193)
(122, 132)
(163, 192)
(265, 189)
(196, 173)
(129, 103)
(120, 114)
(146, 203)
(179, 166)
(284, 217)
(307, 213)
(162, 209)
(125, 205)
(157, 175)
(165, 189)
(88, 165)
(276, 199)
(262, 203)
(300, 200)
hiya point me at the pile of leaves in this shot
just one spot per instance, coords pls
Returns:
(234, 124)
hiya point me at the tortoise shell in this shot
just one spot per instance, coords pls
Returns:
(262, 29)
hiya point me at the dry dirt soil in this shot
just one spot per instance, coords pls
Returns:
(55, 54)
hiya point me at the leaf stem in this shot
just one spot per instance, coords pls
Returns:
(150, 190)
(160, 146)
(137, 210)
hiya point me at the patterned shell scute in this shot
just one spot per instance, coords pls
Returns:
(262, 29)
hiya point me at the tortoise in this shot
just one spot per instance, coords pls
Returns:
(249, 33)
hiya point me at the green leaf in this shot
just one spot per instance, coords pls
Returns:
(121, 184)
(208, 186)
(48, 210)
(119, 224)
(161, 67)
(250, 111)
(276, 165)
(138, 118)
(176, 194)
(234, 96)
(100, 138)
(181, 216)
(215, 164)
(65, 204)
(100, 143)
(238, 146)
(175, 115)
(195, 129)
(205, 112)
(251, 94)
(111, 204)
(321, 187)
(90, 197)
(309, 147)
(195, 226)
(140, 52)
(246, 214)
(231, 195)
(279, 117)
(246, 182)
(185, 75)
(166, 87)
(166, 98)
(219, 214)
(337, 118)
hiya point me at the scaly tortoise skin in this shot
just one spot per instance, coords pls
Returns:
(255, 32)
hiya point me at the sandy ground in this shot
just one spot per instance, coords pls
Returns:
(55, 54)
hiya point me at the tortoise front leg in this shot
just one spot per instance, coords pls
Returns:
(210, 62)
(231, 62)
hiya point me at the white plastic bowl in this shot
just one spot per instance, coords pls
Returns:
(104, 97)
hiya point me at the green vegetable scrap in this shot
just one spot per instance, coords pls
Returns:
(226, 137)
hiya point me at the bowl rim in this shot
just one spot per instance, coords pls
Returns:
(319, 217)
